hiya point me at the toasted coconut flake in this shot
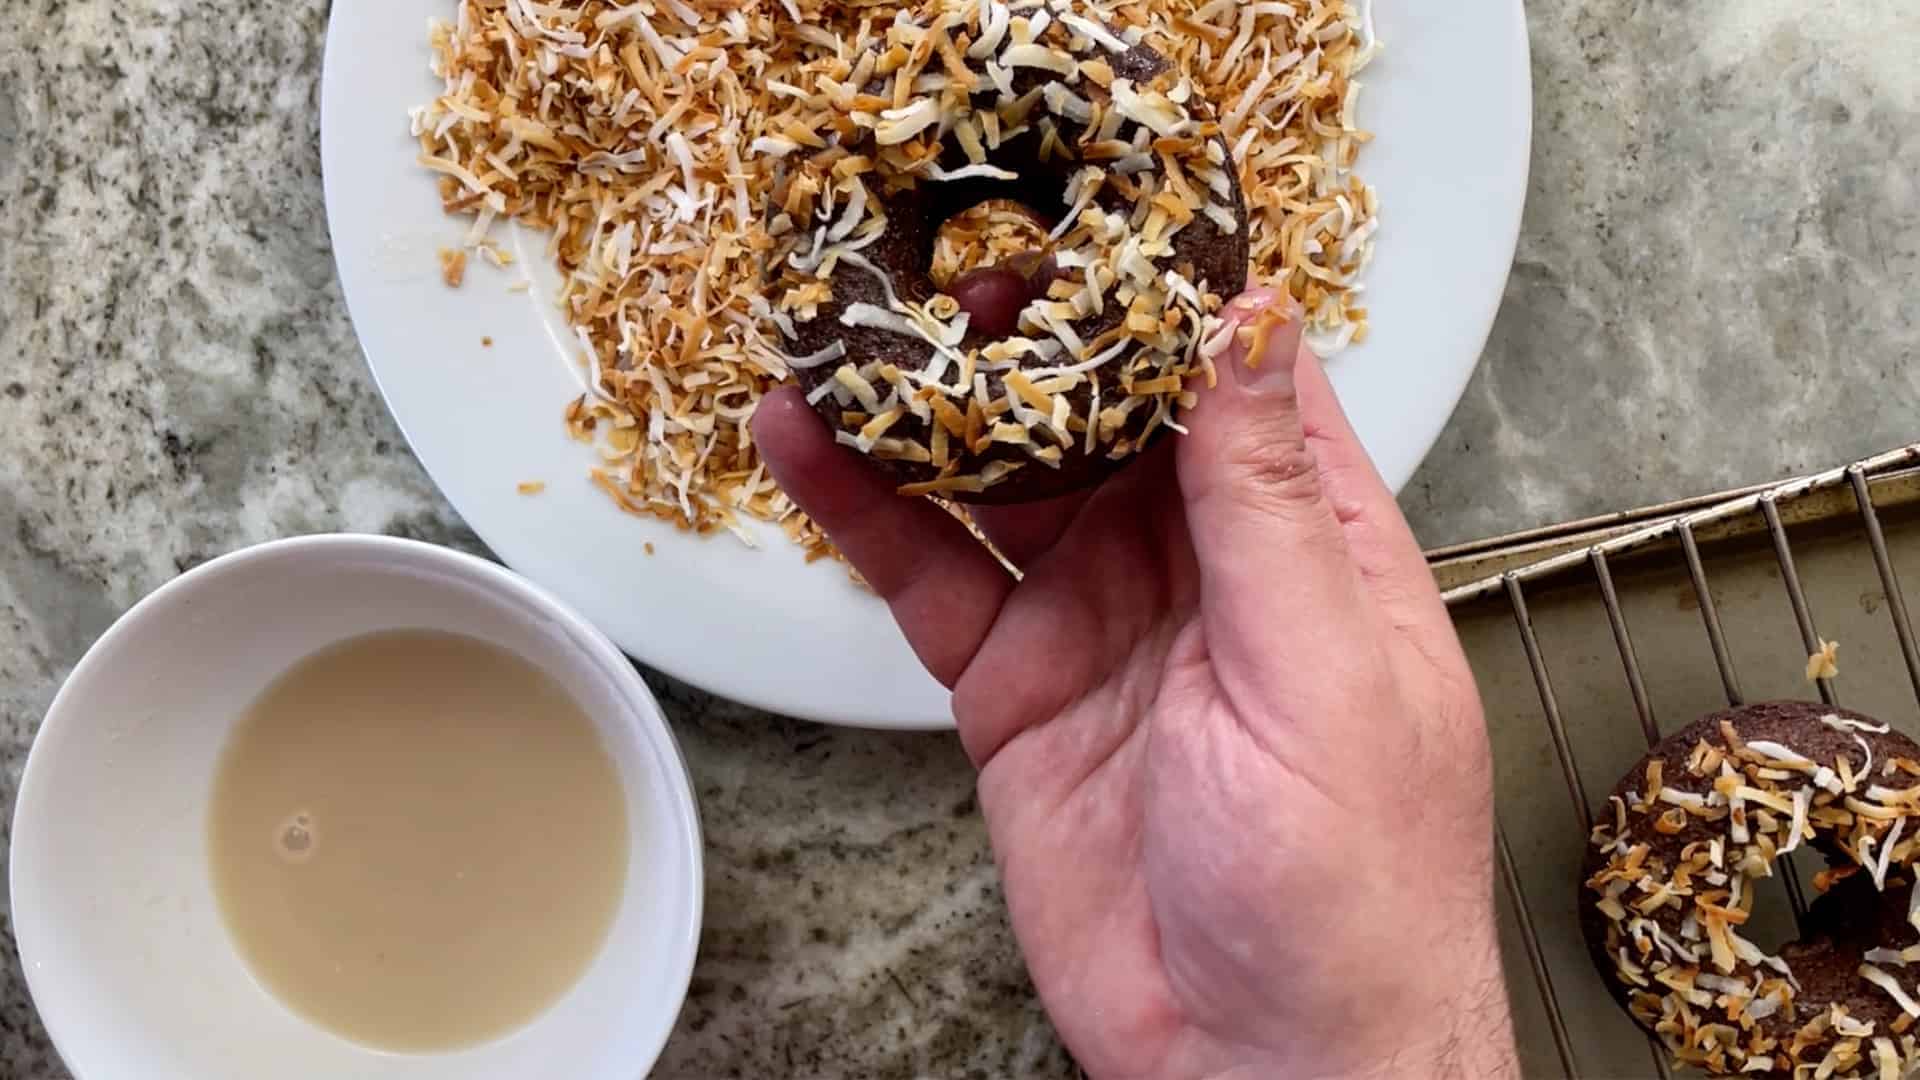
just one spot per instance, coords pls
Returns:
(1913, 906)
(1064, 102)
(1797, 827)
(1830, 781)
(1886, 1059)
(1150, 108)
(1720, 936)
(1849, 777)
(1037, 56)
(982, 171)
(1772, 800)
(1886, 854)
(1780, 754)
(1884, 979)
(1870, 810)
(832, 352)
(879, 318)
(899, 125)
(1825, 662)
(1840, 1055)
(1845, 723)
(453, 267)
(1091, 29)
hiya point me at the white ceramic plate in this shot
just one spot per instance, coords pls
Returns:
(1449, 102)
(129, 961)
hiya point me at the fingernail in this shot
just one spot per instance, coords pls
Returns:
(1266, 339)
(1251, 302)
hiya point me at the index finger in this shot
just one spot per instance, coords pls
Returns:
(944, 588)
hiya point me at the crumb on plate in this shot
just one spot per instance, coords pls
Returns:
(453, 267)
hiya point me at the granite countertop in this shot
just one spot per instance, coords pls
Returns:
(1713, 286)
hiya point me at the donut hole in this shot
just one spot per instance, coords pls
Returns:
(993, 258)
(1770, 925)
(992, 233)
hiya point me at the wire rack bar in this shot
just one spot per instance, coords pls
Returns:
(1583, 816)
(1542, 977)
(1889, 580)
(1562, 747)
(1623, 641)
(1710, 615)
(1642, 706)
(1790, 577)
(1732, 508)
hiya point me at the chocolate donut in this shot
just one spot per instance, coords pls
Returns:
(1094, 133)
(1670, 878)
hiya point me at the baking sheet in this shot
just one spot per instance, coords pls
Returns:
(1848, 605)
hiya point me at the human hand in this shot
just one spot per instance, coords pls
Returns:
(1231, 757)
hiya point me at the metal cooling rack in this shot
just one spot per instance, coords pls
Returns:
(1534, 558)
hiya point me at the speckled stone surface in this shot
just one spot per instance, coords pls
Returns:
(1714, 286)
(1716, 276)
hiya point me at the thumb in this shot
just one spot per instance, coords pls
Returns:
(1276, 578)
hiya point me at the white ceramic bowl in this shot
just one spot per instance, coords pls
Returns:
(124, 949)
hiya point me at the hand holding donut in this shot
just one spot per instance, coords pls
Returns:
(1230, 754)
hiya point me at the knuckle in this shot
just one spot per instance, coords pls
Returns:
(1272, 471)
(974, 698)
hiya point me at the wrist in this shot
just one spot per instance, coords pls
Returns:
(1456, 1027)
(1480, 1050)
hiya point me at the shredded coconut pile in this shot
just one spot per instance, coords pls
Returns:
(649, 140)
